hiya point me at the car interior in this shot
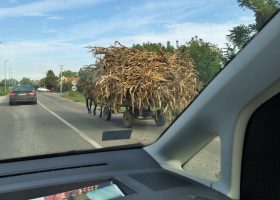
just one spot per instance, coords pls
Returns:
(240, 107)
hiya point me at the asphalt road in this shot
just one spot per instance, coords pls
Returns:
(57, 124)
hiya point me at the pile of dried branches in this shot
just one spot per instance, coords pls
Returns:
(145, 79)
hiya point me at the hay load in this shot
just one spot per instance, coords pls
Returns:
(145, 80)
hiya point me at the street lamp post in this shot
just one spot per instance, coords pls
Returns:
(6, 75)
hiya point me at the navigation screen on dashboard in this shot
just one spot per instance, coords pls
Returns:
(103, 191)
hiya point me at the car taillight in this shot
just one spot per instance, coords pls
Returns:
(31, 94)
(12, 94)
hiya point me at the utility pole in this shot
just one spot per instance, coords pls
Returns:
(61, 66)
(12, 78)
(9, 85)
(6, 75)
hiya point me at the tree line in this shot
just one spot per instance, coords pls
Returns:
(240, 35)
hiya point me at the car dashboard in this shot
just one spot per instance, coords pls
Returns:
(136, 174)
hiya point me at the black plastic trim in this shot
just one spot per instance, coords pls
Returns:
(53, 169)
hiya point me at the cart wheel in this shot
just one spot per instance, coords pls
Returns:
(106, 113)
(160, 118)
(127, 118)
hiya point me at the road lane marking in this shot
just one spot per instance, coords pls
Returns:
(79, 132)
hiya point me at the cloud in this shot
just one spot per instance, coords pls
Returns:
(210, 32)
(130, 20)
(55, 18)
(157, 21)
(182, 32)
(135, 29)
(42, 8)
(159, 5)
(173, 10)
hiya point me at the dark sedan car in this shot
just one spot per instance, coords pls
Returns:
(23, 94)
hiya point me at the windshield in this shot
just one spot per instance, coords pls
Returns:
(111, 73)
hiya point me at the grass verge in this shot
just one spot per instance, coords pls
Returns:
(75, 96)
(3, 93)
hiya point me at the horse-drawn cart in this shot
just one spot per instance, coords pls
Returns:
(144, 84)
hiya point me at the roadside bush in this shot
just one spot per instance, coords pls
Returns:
(75, 96)
(2, 92)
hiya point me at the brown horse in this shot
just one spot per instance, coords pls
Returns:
(91, 98)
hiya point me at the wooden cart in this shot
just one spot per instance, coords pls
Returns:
(129, 115)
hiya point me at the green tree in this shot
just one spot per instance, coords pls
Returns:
(2, 83)
(151, 47)
(237, 38)
(207, 57)
(42, 82)
(26, 81)
(85, 72)
(68, 86)
(13, 82)
(155, 47)
(240, 35)
(69, 73)
(229, 52)
(51, 80)
(169, 47)
(263, 9)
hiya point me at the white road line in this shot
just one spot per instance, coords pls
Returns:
(80, 133)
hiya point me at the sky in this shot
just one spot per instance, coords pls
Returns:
(40, 35)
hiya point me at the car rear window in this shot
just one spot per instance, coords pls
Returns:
(22, 88)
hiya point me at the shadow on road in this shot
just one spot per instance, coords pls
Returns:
(6, 104)
(117, 120)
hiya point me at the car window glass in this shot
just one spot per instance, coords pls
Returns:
(22, 88)
(111, 73)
